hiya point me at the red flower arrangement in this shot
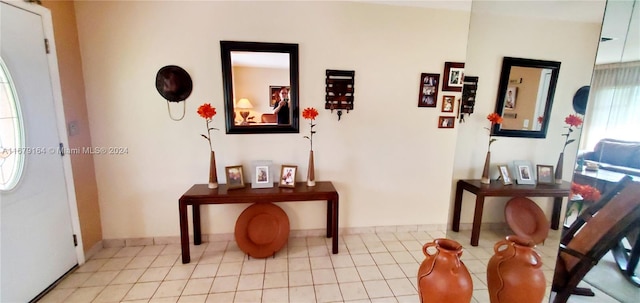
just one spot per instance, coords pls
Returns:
(310, 114)
(494, 118)
(207, 112)
(588, 194)
(573, 122)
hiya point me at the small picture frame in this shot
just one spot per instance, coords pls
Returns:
(261, 174)
(505, 176)
(453, 76)
(447, 103)
(288, 176)
(235, 176)
(510, 98)
(446, 121)
(428, 90)
(545, 174)
(524, 172)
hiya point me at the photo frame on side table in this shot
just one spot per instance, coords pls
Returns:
(288, 176)
(505, 176)
(235, 176)
(524, 172)
(545, 174)
(261, 174)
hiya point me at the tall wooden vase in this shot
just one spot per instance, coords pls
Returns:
(213, 176)
(558, 175)
(514, 273)
(485, 171)
(311, 174)
(442, 277)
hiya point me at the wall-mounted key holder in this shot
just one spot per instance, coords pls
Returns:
(339, 89)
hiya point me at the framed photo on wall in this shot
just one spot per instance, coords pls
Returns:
(505, 176)
(428, 90)
(288, 176)
(235, 176)
(545, 174)
(446, 121)
(524, 172)
(274, 94)
(453, 75)
(447, 103)
(510, 98)
(261, 174)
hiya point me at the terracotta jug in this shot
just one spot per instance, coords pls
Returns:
(514, 273)
(442, 277)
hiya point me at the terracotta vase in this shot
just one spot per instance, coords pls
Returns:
(514, 273)
(213, 176)
(485, 171)
(442, 277)
(558, 175)
(311, 175)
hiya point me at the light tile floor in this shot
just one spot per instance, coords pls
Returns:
(380, 267)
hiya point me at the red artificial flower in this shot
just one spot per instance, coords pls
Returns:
(573, 120)
(540, 119)
(310, 113)
(206, 111)
(587, 192)
(494, 118)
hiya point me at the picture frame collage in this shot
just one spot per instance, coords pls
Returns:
(452, 81)
(525, 174)
(262, 174)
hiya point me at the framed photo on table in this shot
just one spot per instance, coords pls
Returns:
(235, 176)
(261, 174)
(505, 176)
(288, 176)
(545, 174)
(524, 172)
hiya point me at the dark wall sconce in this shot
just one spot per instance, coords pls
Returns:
(339, 90)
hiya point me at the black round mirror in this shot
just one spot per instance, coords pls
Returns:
(174, 83)
(580, 100)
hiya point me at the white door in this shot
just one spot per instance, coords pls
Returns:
(37, 237)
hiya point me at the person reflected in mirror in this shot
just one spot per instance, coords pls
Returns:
(281, 109)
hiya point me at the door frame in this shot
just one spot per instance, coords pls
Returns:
(47, 25)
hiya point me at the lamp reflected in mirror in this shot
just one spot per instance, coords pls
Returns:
(243, 108)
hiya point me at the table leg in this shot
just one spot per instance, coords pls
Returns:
(184, 233)
(457, 208)
(334, 226)
(197, 232)
(555, 215)
(477, 220)
(329, 218)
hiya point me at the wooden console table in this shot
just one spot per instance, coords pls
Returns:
(200, 194)
(497, 189)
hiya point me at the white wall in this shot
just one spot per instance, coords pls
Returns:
(387, 158)
(492, 37)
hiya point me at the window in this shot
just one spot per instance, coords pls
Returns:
(11, 132)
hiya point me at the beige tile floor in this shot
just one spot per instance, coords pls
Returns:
(379, 267)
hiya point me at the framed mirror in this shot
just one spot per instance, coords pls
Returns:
(525, 96)
(260, 82)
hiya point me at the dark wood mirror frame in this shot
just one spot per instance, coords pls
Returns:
(226, 47)
(507, 64)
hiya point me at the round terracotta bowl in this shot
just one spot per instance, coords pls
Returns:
(262, 229)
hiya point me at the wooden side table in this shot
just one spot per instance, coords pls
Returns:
(200, 194)
(497, 189)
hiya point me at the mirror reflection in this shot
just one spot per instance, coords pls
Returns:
(260, 81)
(525, 97)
